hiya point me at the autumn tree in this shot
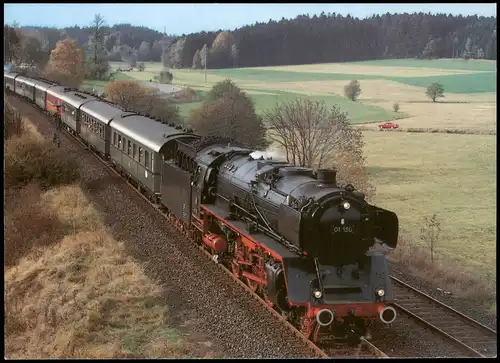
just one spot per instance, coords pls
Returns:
(311, 135)
(134, 97)
(435, 91)
(220, 52)
(221, 88)
(66, 63)
(31, 52)
(231, 115)
(352, 90)
(197, 60)
(96, 65)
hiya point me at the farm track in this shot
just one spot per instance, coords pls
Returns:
(474, 338)
(290, 337)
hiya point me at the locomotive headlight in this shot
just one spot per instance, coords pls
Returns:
(317, 294)
(380, 292)
(346, 205)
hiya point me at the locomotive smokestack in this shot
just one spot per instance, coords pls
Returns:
(327, 176)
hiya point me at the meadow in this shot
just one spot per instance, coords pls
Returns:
(416, 175)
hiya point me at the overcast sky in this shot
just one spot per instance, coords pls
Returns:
(190, 18)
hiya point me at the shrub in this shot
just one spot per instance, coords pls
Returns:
(141, 67)
(29, 160)
(395, 107)
(165, 77)
(23, 207)
(12, 122)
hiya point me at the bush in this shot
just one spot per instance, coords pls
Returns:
(395, 107)
(352, 90)
(28, 160)
(141, 67)
(12, 122)
(165, 77)
(22, 208)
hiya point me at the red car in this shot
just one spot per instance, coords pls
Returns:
(387, 126)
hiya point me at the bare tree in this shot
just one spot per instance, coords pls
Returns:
(197, 60)
(234, 55)
(96, 66)
(314, 136)
(429, 232)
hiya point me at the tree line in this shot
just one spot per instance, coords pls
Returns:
(303, 40)
(336, 38)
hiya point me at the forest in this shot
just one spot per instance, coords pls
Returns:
(306, 39)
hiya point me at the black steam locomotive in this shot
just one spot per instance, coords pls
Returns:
(295, 237)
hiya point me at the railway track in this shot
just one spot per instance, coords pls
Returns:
(340, 349)
(471, 336)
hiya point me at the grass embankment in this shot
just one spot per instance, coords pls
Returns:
(418, 174)
(71, 291)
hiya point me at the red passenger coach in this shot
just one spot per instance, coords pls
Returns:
(53, 102)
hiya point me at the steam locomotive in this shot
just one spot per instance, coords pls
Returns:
(296, 237)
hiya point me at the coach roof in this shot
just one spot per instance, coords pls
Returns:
(150, 133)
(103, 111)
(26, 80)
(75, 98)
(11, 75)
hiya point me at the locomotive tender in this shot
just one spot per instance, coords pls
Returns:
(295, 237)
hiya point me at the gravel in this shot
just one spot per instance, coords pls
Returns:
(204, 302)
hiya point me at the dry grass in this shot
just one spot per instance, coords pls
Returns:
(83, 296)
(450, 278)
(346, 68)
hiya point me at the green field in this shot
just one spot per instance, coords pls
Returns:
(454, 176)
(473, 65)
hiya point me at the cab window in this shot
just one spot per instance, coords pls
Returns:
(146, 159)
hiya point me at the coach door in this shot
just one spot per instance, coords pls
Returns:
(69, 114)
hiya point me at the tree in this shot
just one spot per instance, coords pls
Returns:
(141, 66)
(314, 136)
(480, 53)
(11, 43)
(96, 65)
(352, 90)
(197, 60)
(220, 89)
(233, 116)
(429, 232)
(430, 50)
(234, 55)
(435, 91)
(31, 52)
(143, 52)
(395, 107)
(467, 54)
(455, 44)
(66, 63)
(204, 55)
(134, 97)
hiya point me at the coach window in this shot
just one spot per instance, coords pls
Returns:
(114, 138)
(146, 159)
(134, 151)
(141, 154)
(129, 147)
(119, 142)
(152, 161)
